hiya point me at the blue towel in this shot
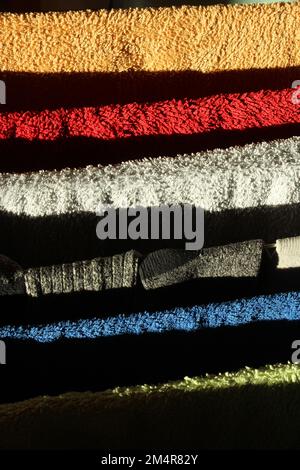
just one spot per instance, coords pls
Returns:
(284, 306)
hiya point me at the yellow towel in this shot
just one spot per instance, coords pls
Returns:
(204, 39)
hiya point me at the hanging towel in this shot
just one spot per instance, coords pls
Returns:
(256, 175)
(205, 39)
(275, 307)
(168, 267)
(207, 412)
(224, 112)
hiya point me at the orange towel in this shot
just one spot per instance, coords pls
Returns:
(203, 39)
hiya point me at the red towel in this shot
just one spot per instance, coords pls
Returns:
(253, 110)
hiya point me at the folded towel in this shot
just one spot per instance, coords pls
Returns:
(256, 175)
(198, 412)
(277, 307)
(197, 38)
(227, 112)
(168, 267)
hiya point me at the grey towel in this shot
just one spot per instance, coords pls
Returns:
(118, 271)
(167, 267)
(159, 269)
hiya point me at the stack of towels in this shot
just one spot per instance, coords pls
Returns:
(141, 343)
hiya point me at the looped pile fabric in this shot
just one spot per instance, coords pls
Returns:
(199, 106)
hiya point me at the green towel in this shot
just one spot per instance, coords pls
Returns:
(247, 409)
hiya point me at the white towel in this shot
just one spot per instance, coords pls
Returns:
(256, 175)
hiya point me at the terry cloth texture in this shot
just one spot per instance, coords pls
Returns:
(116, 272)
(167, 267)
(205, 39)
(226, 112)
(244, 311)
(208, 411)
(256, 175)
